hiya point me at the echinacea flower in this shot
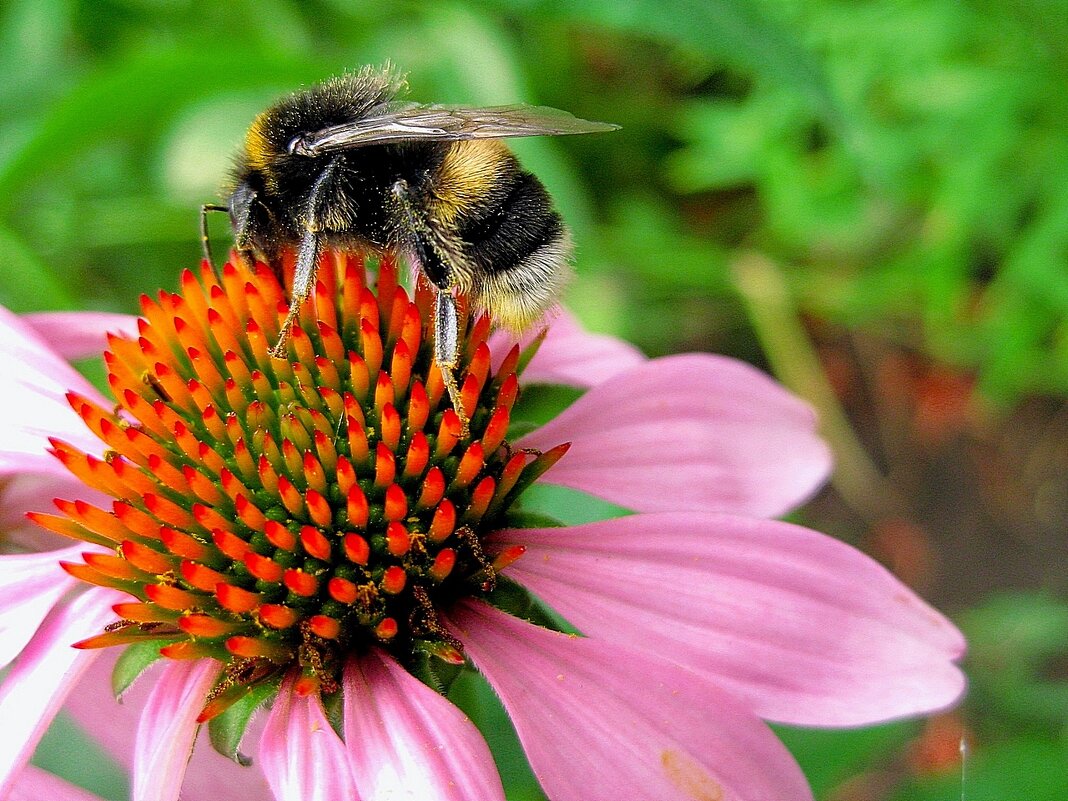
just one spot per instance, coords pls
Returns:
(316, 535)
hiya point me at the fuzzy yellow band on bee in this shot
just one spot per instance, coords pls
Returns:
(468, 172)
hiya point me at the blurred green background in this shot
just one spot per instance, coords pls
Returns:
(869, 199)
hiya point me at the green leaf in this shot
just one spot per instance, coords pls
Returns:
(227, 729)
(132, 662)
(29, 284)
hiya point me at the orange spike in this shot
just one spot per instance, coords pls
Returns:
(253, 647)
(279, 536)
(356, 507)
(470, 465)
(418, 407)
(443, 564)
(201, 486)
(169, 597)
(397, 540)
(400, 370)
(346, 476)
(387, 629)
(508, 556)
(300, 583)
(496, 430)
(418, 455)
(262, 567)
(508, 393)
(342, 590)
(395, 506)
(411, 330)
(145, 613)
(230, 544)
(235, 599)
(333, 349)
(394, 580)
(372, 347)
(513, 469)
(356, 548)
(480, 499)
(511, 361)
(443, 522)
(448, 434)
(334, 405)
(277, 616)
(95, 520)
(318, 508)
(313, 472)
(324, 447)
(168, 512)
(206, 626)
(147, 559)
(324, 626)
(183, 545)
(114, 566)
(132, 480)
(315, 543)
(290, 495)
(133, 519)
(201, 577)
(268, 478)
(208, 518)
(390, 425)
(383, 391)
(385, 466)
(358, 446)
(433, 488)
(66, 527)
(359, 376)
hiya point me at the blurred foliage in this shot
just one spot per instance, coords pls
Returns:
(902, 164)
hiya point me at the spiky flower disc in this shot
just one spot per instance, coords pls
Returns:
(271, 513)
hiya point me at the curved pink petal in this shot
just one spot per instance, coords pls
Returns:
(301, 754)
(34, 784)
(36, 380)
(168, 727)
(80, 334)
(30, 585)
(804, 628)
(569, 355)
(600, 722)
(697, 432)
(408, 742)
(114, 726)
(48, 668)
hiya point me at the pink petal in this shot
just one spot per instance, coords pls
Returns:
(80, 334)
(34, 784)
(30, 585)
(168, 727)
(114, 725)
(301, 754)
(408, 742)
(600, 722)
(568, 355)
(802, 627)
(690, 432)
(35, 383)
(48, 668)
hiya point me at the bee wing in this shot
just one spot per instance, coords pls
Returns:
(417, 123)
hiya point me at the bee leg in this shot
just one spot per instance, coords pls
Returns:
(447, 351)
(205, 243)
(303, 282)
(439, 257)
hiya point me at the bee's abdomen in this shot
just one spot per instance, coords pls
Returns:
(520, 247)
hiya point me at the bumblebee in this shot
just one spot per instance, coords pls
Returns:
(347, 165)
